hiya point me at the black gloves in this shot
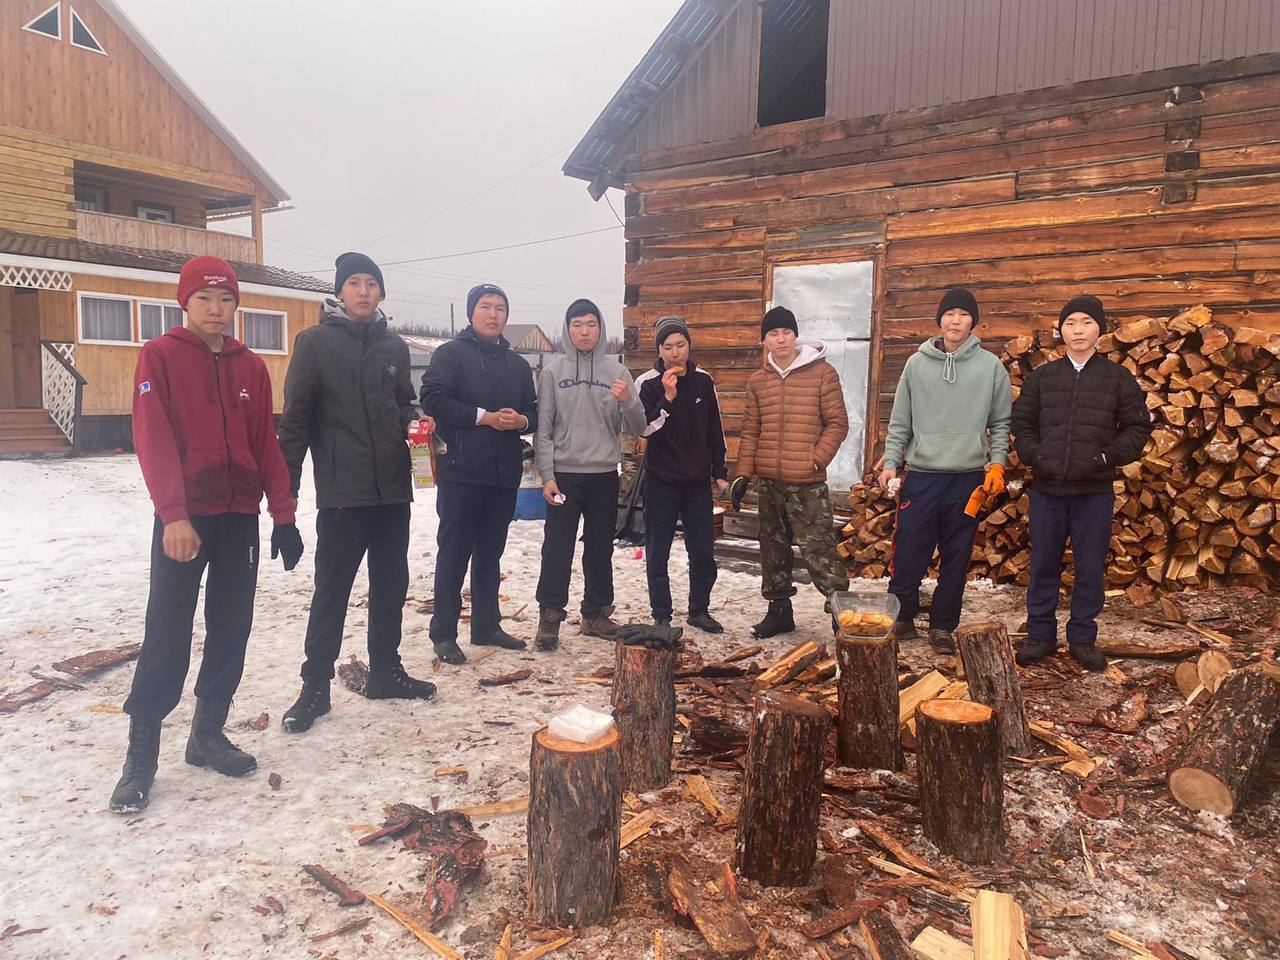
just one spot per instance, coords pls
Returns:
(650, 635)
(738, 490)
(286, 541)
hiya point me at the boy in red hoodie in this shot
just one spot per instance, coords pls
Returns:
(206, 442)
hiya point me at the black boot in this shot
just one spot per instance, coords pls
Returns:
(209, 747)
(602, 625)
(500, 638)
(549, 620)
(941, 640)
(133, 791)
(450, 652)
(904, 630)
(705, 622)
(1034, 651)
(1088, 656)
(395, 684)
(312, 703)
(778, 620)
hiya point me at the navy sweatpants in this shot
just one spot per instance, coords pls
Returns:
(664, 505)
(1086, 520)
(931, 517)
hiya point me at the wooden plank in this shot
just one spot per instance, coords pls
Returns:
(746, 264)
(434, 943)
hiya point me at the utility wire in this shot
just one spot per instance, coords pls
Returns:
(508, 246)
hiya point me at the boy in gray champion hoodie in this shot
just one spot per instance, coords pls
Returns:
(586, 401)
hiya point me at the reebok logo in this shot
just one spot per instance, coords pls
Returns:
(214, 278)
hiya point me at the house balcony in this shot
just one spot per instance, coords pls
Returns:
(118, 231)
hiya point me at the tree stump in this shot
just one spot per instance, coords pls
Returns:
(575, 817)
(868, 683)
(961, 770)
(993, 680)
(782, 790)
(1226, 748)
(644, 709)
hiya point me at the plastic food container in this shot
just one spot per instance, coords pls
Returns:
(581, 724)
(863, 614)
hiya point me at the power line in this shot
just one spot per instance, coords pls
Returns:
(509, 246)
(613, 211)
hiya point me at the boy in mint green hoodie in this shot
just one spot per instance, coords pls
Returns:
(950, 430)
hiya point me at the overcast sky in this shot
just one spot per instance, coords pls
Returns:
(375, 116)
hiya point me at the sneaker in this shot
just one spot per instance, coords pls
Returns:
(904, 630)
(548, 636)
(1088, 656)
(395, 684)
(312, 703)
(704, 622)
(448, 651)
(133, 790)
(600, 625)
(1033, 651)
(500, 638)
(941, 640)
(779, 619)
(208, 745)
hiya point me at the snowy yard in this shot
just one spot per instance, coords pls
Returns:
(213, 867)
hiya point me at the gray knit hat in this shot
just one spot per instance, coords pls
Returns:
(669, 325)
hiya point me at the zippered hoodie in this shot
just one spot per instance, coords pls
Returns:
(579, 421)
(685, 438)
(204, 431)
(951, 410)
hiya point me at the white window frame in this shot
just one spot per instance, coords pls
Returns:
(71, 34)
(170, 216)
(133, 319)
(152, 302)
(40, 16)
(284, 330)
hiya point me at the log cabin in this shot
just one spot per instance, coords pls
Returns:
(112, 173)
(851, 159)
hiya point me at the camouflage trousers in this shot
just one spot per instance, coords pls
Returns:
(797, 513)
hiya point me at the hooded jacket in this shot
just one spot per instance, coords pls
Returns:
(348, 398)
(685, 437)
(468, 374)
(204, 430)
(794, 421)
(579, 421)
(950, 411)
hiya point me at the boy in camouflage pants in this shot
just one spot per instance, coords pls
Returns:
(790, 464)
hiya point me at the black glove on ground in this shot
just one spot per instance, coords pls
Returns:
(650, 635)
(286, 541)
(738, 490)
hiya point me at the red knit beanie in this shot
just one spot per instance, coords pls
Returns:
(201, 272)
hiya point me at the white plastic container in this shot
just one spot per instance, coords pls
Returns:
(580, 724)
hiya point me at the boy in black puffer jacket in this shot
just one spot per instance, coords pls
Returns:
(1076, 422)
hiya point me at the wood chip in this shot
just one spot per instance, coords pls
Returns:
(637, 827)
(700, 790)
(502, 679)
(501, 808)
(437, 946)
(546, 948)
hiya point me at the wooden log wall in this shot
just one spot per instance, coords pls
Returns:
(1155, 192)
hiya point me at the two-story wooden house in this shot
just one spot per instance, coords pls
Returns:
(112, 171)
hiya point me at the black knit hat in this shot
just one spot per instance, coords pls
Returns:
(958, 298)
(352, 262)
(669, 325)
(1086, 303)
(778, 317)
(483, 290)
(580, 308)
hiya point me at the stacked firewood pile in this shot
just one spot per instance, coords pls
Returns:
(1197, 509)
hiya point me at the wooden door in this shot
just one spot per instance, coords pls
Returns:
(24, 337)
(6, 348)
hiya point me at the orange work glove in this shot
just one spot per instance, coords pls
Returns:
(993, 482)
(977, 500)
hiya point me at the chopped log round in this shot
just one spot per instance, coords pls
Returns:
(782, 790)
(867, 728)
(961, 778)
(1226, 748)
(574, 824)
(644, 708)
(993, 680)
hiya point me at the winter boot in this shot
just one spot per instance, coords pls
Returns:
(1088, 656)
(779, 619)
(904, 630)
(941, 640)
(209, 747)
(312, 703)
(133, 791)
(449, 652)
(395, 684)
(1033, 651)
(500, 638)
(548, 637)
(601, 625)
(704, 622)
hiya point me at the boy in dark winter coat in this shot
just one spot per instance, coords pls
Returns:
(481, 394)
(683, 457)
(1077, 421)
(348, 399)
(950, 429)
(586, 400)
(206, 442)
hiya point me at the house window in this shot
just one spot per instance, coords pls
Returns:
(106, 319)
(263, 330)
(82, 36)
(155, 213)
(793, 61)
(156, 318)
(832, 301)
(92, 199)
(48, 24)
